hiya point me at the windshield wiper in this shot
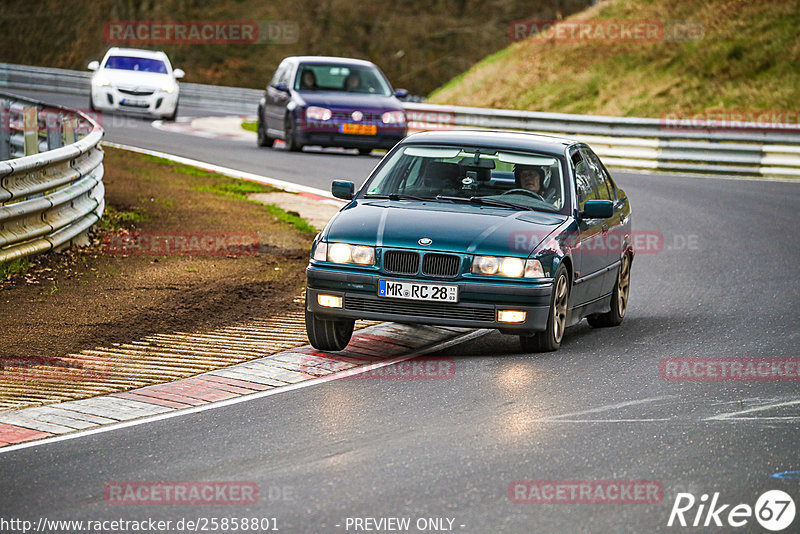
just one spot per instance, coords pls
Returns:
(397, 196)
(485, 201)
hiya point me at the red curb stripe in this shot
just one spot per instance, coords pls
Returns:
(190, 388)
(149, 400)
(213, 385)
(390, 341)
(16, 434)
(236, 382)
(312, 196)
(151, 391)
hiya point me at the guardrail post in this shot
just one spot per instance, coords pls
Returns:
(30, 130)
(68, 129)
(5, 130)
(53, 121)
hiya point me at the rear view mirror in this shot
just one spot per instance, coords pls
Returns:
(94, 65)
(401, 93)
(598, 209)
(178, 73)
(343, 189)
(282, 87)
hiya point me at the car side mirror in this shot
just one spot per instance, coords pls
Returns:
(94, 65)
(282, 87)
(178, 73)
(598, 209)
(343, 189)
(401, 93)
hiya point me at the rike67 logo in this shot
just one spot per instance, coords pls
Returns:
(774, 510)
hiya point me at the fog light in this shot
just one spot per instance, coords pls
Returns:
(329, 301)
(510, 316)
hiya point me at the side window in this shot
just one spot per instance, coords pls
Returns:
(605, 189)
(583, 183)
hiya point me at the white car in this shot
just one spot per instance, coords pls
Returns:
(139, 81)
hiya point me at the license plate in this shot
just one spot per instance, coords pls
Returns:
(359, 129)
(134, 102)
(417, 291)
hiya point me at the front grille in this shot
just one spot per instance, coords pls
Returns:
(137, 92)
(401, 262)
(446, 265)
(419, 309)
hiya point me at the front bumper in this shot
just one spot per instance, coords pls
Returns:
(328, 134)
(477, 307)
(157, 104)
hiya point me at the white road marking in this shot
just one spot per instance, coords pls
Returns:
(558, 418)
(734, 415)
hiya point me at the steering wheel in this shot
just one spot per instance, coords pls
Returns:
(524, 192)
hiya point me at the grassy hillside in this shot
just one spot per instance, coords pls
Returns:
(420, 44)
(748, 58)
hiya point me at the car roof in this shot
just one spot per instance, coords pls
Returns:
(494, 138)
(137, 52)
(332, 59)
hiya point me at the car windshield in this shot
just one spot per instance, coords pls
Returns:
(490, 176)
(140, 64)
(344, 78)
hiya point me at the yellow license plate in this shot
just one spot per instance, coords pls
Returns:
(360, 129)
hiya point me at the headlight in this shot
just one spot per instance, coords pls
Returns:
(315, 113)
(100, 81)
(344, 253)
(509, 267)
(393, 117)
(168, 87)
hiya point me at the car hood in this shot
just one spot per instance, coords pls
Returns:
(133, 78)
(451, 227)
(334, 99)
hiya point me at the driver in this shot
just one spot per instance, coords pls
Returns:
(530, 177)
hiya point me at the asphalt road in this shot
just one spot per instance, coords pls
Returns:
(725, 284)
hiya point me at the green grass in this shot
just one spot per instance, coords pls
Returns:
(746, 58)
(250, 126)
(239, 189)
(14, 267)
(113, 220)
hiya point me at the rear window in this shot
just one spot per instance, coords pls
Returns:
(141, 64)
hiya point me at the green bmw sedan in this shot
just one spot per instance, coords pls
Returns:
(527, 234)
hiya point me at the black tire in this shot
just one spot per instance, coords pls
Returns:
(291, 142)
(174, 114)
(365, 151)
(619, 298)
(550, 339)
(328, 334)
(263, 139)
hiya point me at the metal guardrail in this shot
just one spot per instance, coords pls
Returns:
(749, 149)
(51, 177)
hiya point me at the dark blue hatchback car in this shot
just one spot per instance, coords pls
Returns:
(329, 101)
(524, 233)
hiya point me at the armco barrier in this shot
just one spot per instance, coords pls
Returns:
(51, 177)
(748, 149)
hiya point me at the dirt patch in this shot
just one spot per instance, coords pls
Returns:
(128, 285)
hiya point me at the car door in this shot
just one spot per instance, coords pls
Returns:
(276, 99)
(590, 259)
(615, 235)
